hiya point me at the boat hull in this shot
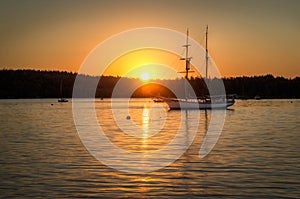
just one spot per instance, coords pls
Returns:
(62, 100)
(177, 104)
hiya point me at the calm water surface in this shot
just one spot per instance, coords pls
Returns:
(257, 154)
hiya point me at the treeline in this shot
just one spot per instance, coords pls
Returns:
(266, 86)
(47, 84)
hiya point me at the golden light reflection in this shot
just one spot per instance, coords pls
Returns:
(145, 125)
(144, 180)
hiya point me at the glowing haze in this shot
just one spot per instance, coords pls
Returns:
(146, 64)
(245, 37)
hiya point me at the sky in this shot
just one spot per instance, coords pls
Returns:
(245, 37)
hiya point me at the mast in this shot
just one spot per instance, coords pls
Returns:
(206, 50)
(187, 61)
(187, 58)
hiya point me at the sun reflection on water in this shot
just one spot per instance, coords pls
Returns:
(145, 126)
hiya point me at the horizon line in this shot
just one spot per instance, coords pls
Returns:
(117, 76)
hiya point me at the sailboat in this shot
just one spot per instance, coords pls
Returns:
(207, 102)
(61, 99)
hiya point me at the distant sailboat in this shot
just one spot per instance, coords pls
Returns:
(158, 99)
(61, 99)
(208, 102)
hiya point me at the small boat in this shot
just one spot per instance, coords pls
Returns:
(158, 99)
(257, 97)
(207, 102)
(61, 99)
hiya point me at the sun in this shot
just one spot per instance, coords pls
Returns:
(145, 76)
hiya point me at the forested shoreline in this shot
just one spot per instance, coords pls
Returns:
(46, 84)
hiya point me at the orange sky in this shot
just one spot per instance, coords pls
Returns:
(152, 62)
(245, 37)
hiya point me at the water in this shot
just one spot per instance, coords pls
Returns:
(257, 154)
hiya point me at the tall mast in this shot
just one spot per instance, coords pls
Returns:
(206, 49)
(187, 58)
(187, 61)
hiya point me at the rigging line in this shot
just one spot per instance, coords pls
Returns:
(200, 38)
(165, 74)
(198, 48)
(173, 64)
(202, 64)
(194, 52)
(175, 60)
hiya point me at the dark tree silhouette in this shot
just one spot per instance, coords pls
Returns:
(46, 84)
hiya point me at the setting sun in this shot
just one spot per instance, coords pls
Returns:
(145, 76)
(146, 64)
